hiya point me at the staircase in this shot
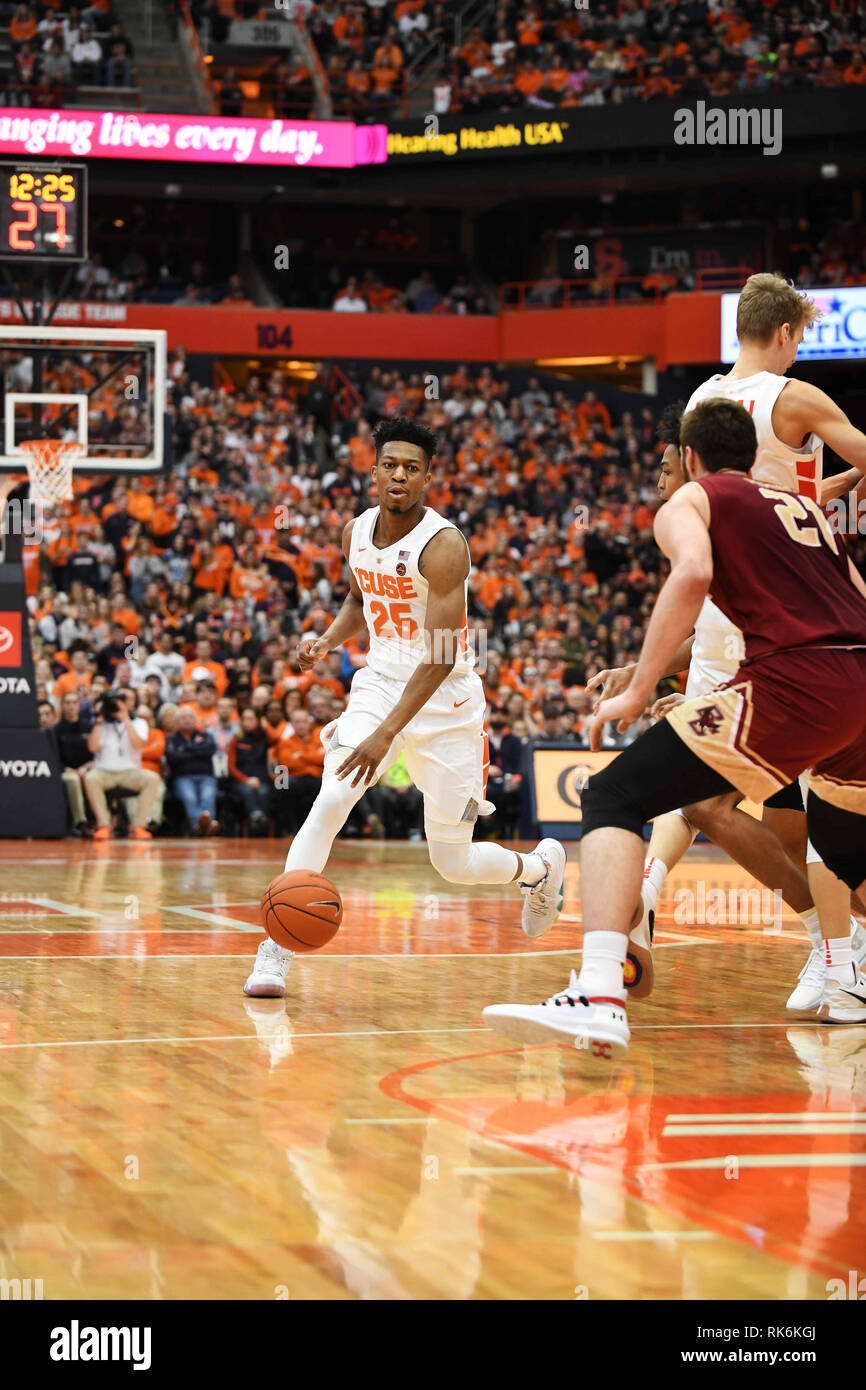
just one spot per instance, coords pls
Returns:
(424, 72)
(170, 75)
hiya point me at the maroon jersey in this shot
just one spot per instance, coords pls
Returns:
(780, 572)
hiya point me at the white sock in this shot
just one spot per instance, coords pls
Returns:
(604, 955)
(534, 869)
(838, 956)
(813, 926)
(655, 871)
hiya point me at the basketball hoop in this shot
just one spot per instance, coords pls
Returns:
(49, 467)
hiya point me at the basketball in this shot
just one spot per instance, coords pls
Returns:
(301, 910)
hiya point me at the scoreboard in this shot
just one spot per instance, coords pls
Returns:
(43, 212)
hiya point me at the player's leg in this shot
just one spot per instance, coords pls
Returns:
(649, 777)
(672, 834)
(829, 911)
(369, 701)
(839, 837)
(447, 758)
(749, 843)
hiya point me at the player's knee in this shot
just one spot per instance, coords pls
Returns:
(605, 802)
(839, 837)
(452, 861)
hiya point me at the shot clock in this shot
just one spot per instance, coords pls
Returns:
(43, 212)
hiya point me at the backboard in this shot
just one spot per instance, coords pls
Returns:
(104, 387)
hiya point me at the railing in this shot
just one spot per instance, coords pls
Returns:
(368, 109)
(323, 106)
(70, 96)
(575, 294)
(194, 48)
(590, 291)
(630, 86)
(345, 396)
(723, 277)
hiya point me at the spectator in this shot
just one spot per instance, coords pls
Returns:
(299, 759)
(116, 742)
(401, 802)
(248, 769)
(87, 57)
(189, 753)
(349, 300)
(231, 97)
(167, 664)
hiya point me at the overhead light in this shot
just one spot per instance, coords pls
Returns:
(829, 171)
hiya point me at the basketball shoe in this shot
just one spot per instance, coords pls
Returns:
(268, 978)
(844, 996)
(542, 901)
(596, 1026)
(809, 993)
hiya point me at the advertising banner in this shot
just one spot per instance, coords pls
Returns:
(839, 334)
(193, 139)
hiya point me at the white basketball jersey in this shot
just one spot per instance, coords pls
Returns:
(797, 470)
(395, 599)
(717, 652)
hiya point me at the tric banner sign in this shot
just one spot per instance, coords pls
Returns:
(32, 799)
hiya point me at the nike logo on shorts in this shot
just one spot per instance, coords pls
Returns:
(458, 703)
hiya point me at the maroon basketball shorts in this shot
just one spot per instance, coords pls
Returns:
(781, 715)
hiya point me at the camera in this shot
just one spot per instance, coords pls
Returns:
(109, 706)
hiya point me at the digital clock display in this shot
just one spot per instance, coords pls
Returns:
(43, 212)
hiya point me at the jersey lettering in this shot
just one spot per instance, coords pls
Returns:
(386, 585)
(398, 614)
(792, 510)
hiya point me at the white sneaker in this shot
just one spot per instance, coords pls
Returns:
(638, 972)
(268, 978)
(844, 1000)
(597, 1026)
(543, 901)
(809, 993)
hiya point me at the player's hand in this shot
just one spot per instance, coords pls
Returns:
(665, 705)
(254, 783)
(615, 681)
(624, 710)
(310, 651)
(366, 758)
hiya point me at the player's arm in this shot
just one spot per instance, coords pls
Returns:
(804, 409)
(682, 531)
(347, 623)
(618, 678)
(445, 565)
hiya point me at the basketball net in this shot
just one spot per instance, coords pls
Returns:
(49, 467)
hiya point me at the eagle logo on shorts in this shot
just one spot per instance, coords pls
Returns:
(709, 721)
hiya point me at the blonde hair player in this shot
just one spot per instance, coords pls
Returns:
(713, 655)
(793, 420)
(408, 577)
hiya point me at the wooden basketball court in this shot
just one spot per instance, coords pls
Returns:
(162, 1137)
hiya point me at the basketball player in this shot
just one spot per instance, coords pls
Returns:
(408, 576)
(778, 572)
(713, 655)
(793, 420)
